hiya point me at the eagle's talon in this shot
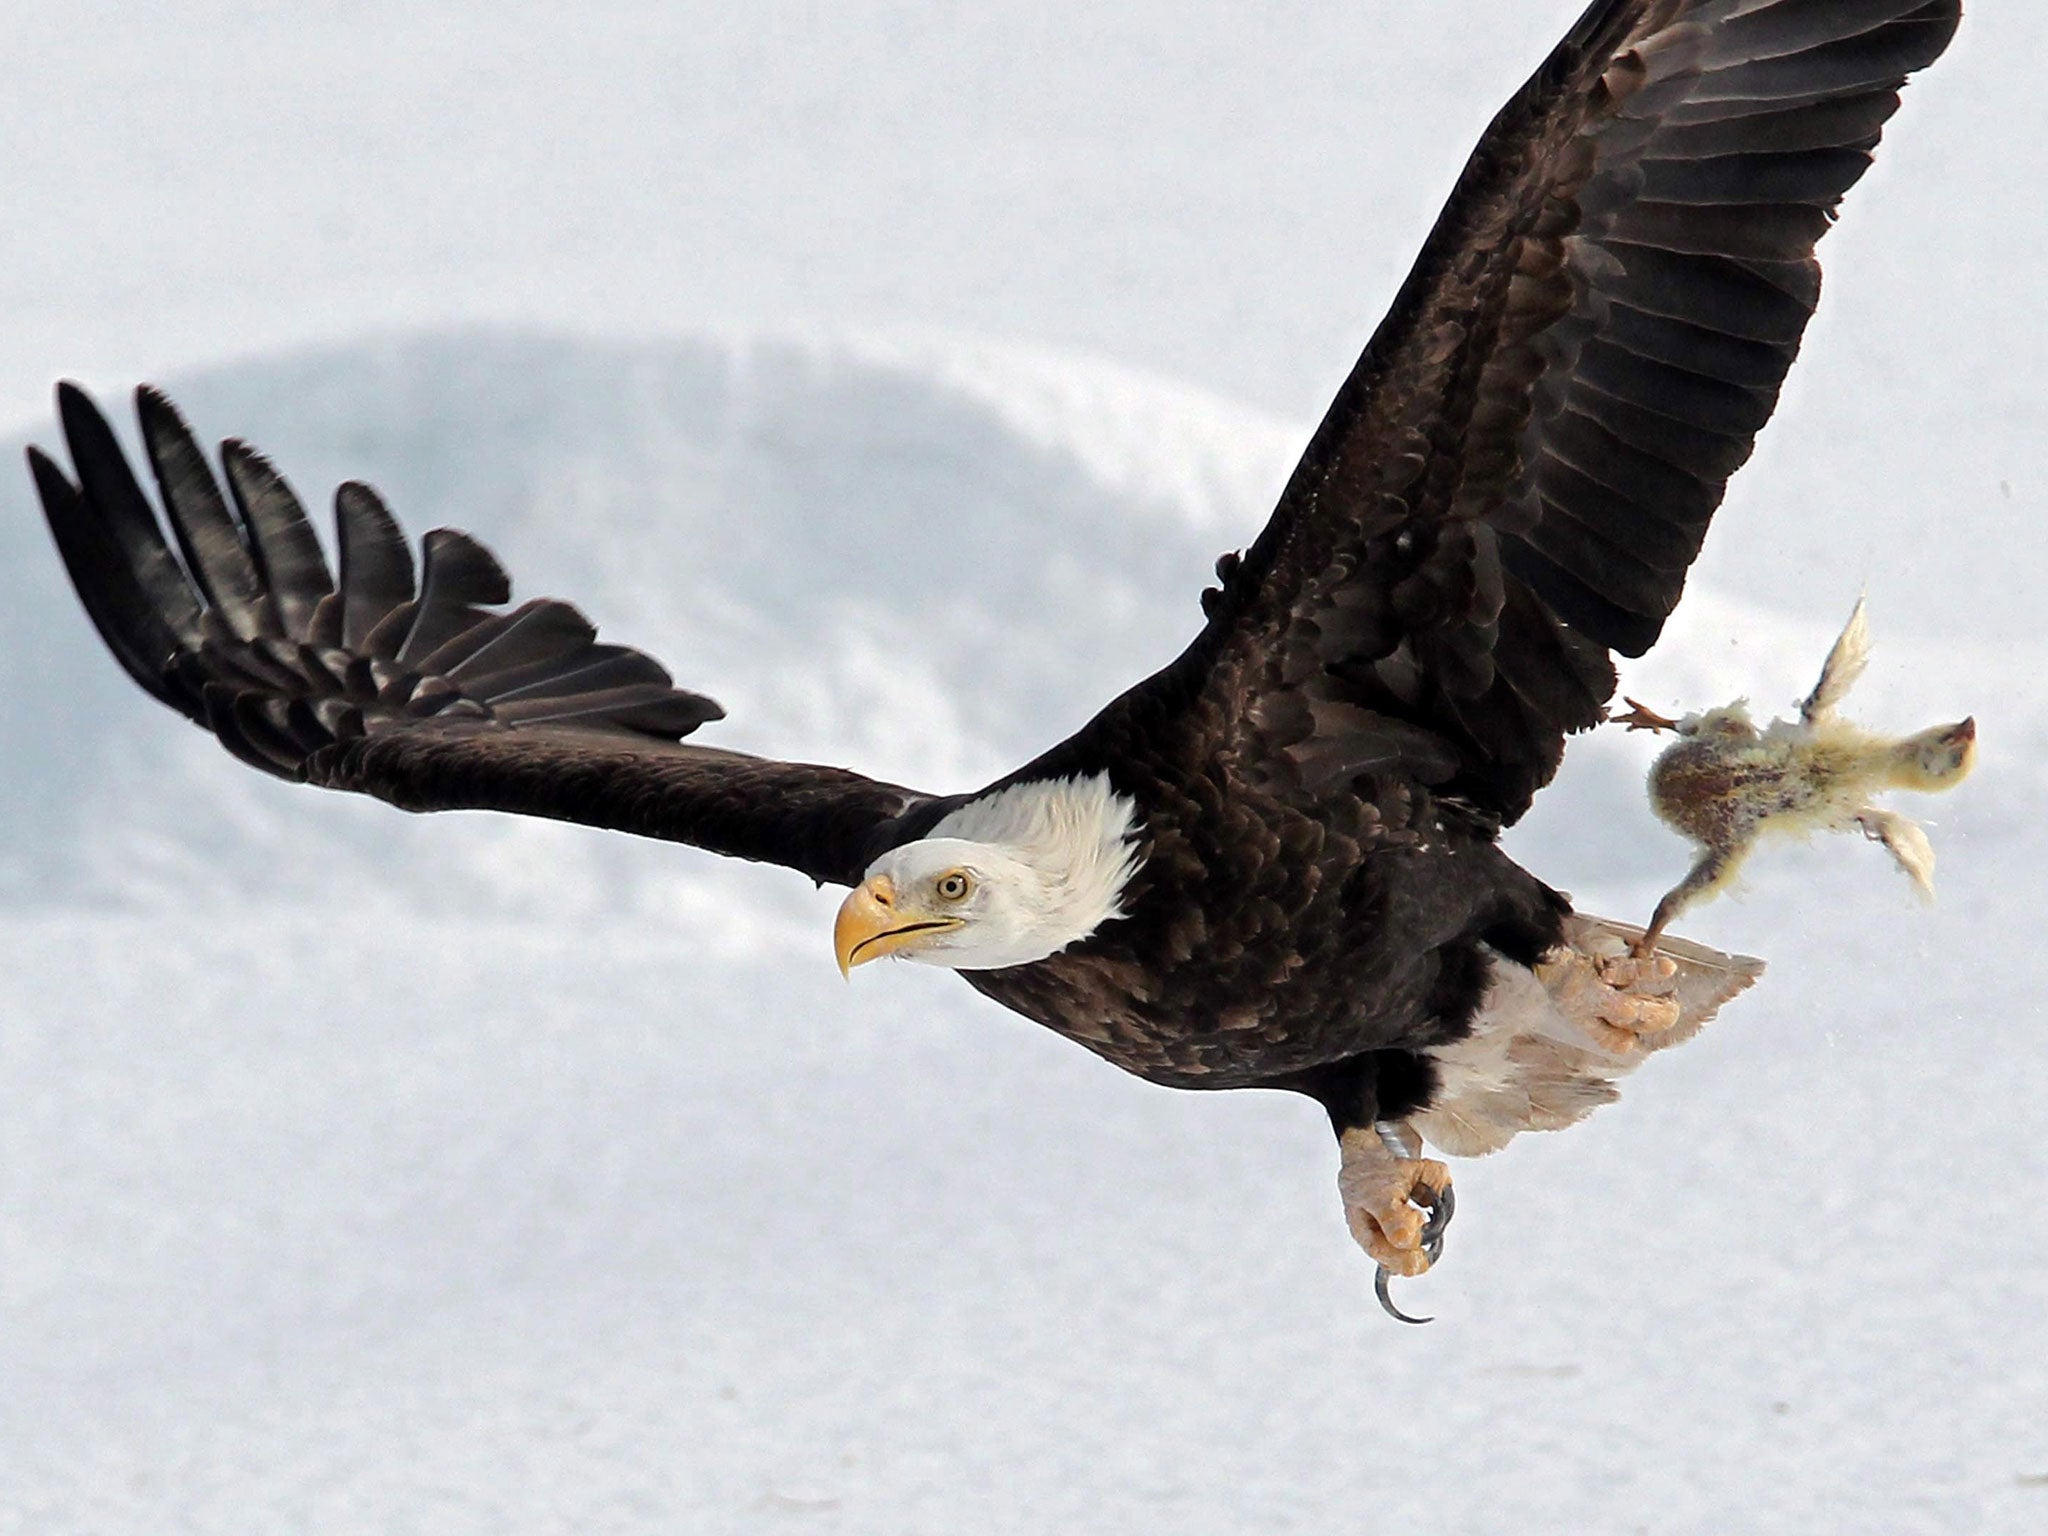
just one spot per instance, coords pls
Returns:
(1397, 1207)
(1638, 977)
(1623, 1002)
(1380, 1292)
(1441, 1205)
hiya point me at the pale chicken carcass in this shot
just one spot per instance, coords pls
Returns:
(1726, 782)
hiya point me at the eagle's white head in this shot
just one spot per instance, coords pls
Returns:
(1004, 880)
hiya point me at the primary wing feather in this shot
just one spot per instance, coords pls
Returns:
(1519, 471)
(417, 689)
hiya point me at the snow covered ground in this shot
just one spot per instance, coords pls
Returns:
(451, 1175)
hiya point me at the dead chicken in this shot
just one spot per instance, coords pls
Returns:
(1724, 781)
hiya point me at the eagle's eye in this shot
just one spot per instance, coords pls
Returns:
(954, 885)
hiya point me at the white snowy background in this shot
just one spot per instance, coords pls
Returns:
(894, 372)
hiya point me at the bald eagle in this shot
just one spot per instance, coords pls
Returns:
(1275, 862)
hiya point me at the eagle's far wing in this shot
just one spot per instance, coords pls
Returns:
(1515, 477)
(422, 690)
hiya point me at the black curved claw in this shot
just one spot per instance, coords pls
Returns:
(1441, 1205)
(1441, 1208)
(1386, 1301)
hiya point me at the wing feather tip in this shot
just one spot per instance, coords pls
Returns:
(52, 484)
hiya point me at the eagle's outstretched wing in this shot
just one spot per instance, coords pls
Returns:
(423, 691)
(1517, 474)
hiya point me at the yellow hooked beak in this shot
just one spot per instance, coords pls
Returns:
(874, 922)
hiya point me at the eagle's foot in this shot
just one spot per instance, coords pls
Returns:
(1396, 1206)
(1623, 1002)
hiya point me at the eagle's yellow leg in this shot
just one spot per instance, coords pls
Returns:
(1393, 1203)
(1622, 1002)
